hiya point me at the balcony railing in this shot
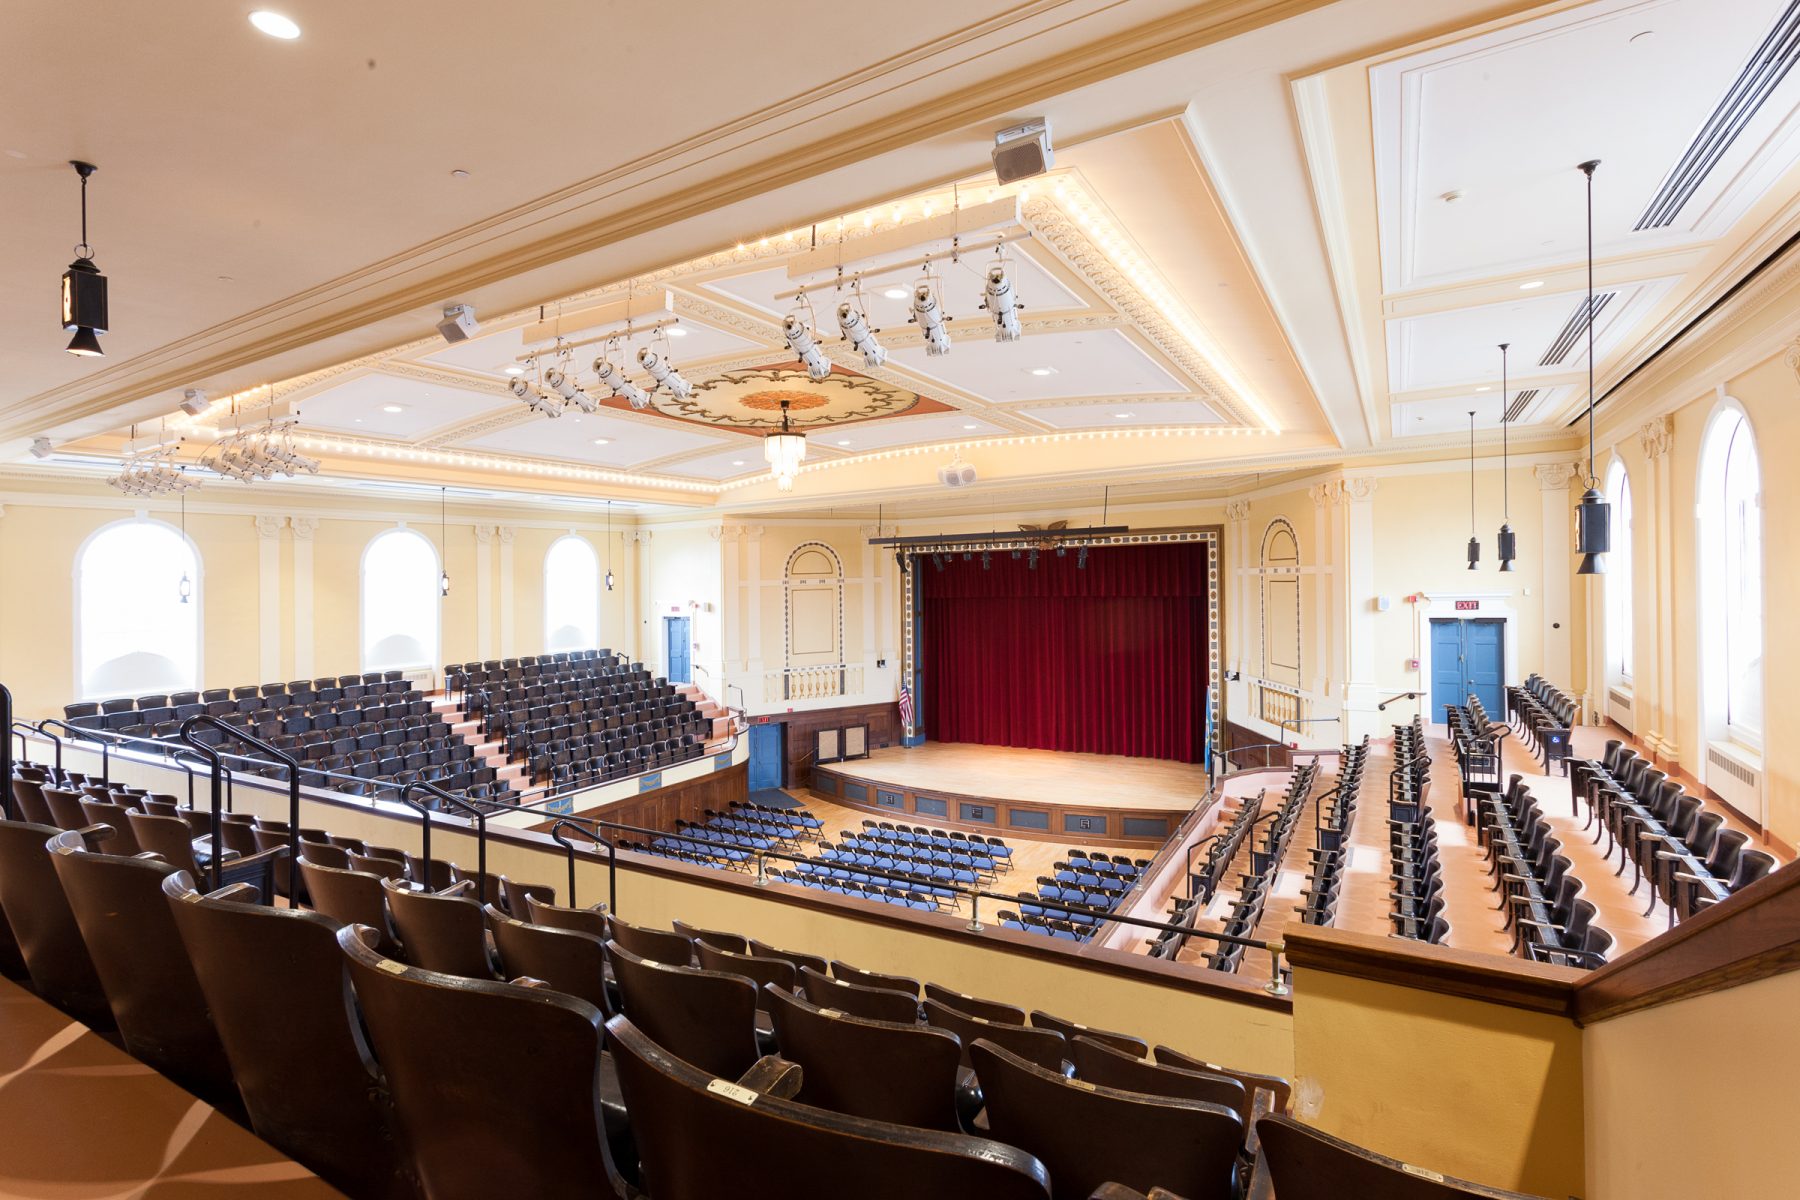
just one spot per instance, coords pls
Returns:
(822, 682)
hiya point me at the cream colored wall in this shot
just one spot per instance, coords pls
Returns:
(682, 578)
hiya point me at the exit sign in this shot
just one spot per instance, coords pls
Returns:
(1468, 606)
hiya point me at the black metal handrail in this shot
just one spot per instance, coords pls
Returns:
(612, 860)
(23, 730)
(77, 733)
(1382, 707)
(212, 755)
(6, 754)
(443, 797)
(187, 759)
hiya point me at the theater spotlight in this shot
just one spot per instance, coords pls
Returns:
(968, 556)
(855, 325)
(1002, 303)
(1081, 559)
(800, 340)
(664, 373)
(937, 560)
(535, 400)
(1062, 552)
(613, 377)
(1031, 559)
(928, 315)
(900, 561)
(565, 387)
(987, 560)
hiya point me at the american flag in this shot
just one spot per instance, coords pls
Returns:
(906, 709)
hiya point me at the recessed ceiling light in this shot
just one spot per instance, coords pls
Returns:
(275, 25)
(677, 331)
(1526, 287)
(1122, 416)
(459, 173)
(737, 462)
(359, 420)
(602, 441)
(968, 427)
(1483, 389)
(895, 293)
(1043, 371)
(843, 441)
(515, 370)
(393, 408)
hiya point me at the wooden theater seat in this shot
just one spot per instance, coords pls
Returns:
(1089, 1135)
(1280, 1091)
(874, 979)
(757, 1144)
(905, 1073)
(1122, 1042)
(442, 931)
(581, 920)
(351, 898)
(1304, 1164)
(1099, 1063)
(35, 908)
(567, 960)
(276, 983)
(657, 945)
(707, 1018)
(758, 971)
(1043, 1047)
(870, 1003)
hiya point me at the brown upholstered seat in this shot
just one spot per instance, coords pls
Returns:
(1279, 1090)
(307, 1079)
(874, 979)
(712, 937)
(495, 1086)
(774, 1147)
(758, 971)
(1043, 1047)
(882, 1070)
(657, 945)
(581, 920)
(975, 1006)
(33, 905)
(706, 1018)
(1089, 1135)
(1122, 1042)
(794, 956)
(351, 898)
(567, 960)
(874, 1004)
(442, 931)
(1305, 1164)
(1099, 1063)
(143, 965)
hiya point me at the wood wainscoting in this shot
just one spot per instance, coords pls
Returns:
(687, 801)
(883, 721)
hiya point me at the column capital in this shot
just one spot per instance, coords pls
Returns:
(636, 537)
(1555, 477)
(484, 534)
(1359, 490)
(506, 534)
(1324, 493)
(1655, 436)
(1237, 510)
(304, 527)
(269, 526)
(870, 531)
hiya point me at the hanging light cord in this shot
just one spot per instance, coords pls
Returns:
(1505, 407)
(1471, 472)
(1587, 168)
(84, 250)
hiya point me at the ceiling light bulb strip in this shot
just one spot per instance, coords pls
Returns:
(486, 462)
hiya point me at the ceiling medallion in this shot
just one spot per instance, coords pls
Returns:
(753, 398)
(772, 401)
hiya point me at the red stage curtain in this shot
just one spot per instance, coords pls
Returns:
(1107, 660)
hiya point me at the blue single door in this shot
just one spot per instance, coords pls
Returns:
(766, 747)
(1484, 653)
(680, 653)
(1446, 666)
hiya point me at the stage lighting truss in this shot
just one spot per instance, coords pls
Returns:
(153, 471)
(260, 453)
(559, 386)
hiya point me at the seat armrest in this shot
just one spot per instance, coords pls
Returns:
(774, 1076)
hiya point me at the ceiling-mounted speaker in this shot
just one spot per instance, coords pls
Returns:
(957, 474)
(1023, 150)
(459, 323)
(194, 402)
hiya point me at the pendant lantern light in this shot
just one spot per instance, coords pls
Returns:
(1509, 541)
(1474, 543)
(84, 287)
(1593, 517)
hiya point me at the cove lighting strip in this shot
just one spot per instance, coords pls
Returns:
(487, 462)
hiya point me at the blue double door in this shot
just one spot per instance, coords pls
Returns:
(1468, 658)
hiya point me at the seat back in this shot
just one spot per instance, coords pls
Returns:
(882, 1070)
(975, 1006)
(874, 979)
(1099, 1063)
(1088, 1135)
(874, 1004)
(33, 905)
(703, 1017)
(757, 1149)
(1124, 1043)
(556, 916)
(65, 808)
(169, 838)
(306, 1076)
(712, 937)
(442, 933)
(143, 965)
(758, 971)
(657, 945)
(29, 803)
(794, 956)
(1305, 1164)
(1280, 1090)
(495, 1086)
(116, 816)
(377, 865)
(569, 961)
(351, 898)
(1042, 1047)
(513, 895)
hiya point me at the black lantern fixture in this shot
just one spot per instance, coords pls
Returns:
(1509, 541)
(609, 574)
(1474, 543)
(84, 287)
(1593, 517)
(444, 539)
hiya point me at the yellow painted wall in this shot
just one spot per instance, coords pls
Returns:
(1471, 1089)
(1648, 1142)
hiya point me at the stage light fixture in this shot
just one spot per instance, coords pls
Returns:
(194, 402)
(928, 315)
(613, 376)
(664, 373)
(1081, 559)
(536, 401)
(84, 287)
(800, 340)
(1062, 552)
(855, 325)
(1018, 554)
(1031, 559)
(900, 561)
(968, 556)
(937, 560)
(1002, 303)
(565, 387)
(987, 560)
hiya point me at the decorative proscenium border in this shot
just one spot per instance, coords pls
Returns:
(1210, 534)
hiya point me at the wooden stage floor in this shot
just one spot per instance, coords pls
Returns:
(1036, 776)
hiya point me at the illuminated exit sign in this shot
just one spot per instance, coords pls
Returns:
(1468, 606)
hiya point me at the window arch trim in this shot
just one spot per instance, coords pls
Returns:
(593, 560)
(78, 656)
(436, 648)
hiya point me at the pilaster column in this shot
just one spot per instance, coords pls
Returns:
(874, 586)
(753, 619)
(484, 590)
(1324, 497)
(304, 528)
(1237, 563)
(1557, 532)
(1655, 695)
(638, 541)
(268, 594)
(1357, 595)
(508, 635)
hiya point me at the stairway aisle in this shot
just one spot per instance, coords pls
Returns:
(492, 754)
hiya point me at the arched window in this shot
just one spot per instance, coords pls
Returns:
(1731, 628)
(400, 601)
(1619, 577)
(1280, 572)
(571, 595)
(135, 633)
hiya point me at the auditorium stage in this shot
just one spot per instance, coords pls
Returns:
(1019, 793)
